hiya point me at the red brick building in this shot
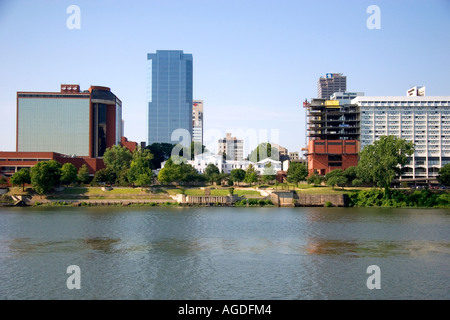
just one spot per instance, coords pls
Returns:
(71, 121)
(70, 126)
(11, 162)
(130, 145)
(327, 155)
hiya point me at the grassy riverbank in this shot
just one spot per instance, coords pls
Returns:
(120, 196)
(159, 195)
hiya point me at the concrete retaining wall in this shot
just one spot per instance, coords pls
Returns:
(311, 200)
(291, 199)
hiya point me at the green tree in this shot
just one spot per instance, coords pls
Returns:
(170, 173)
(118, 160)
(314, 179)
(21, 177)
(351, 173)
(212, 172)
(269, 173)
(166, 176)
(381, 162)
(83, 174)
(140, 172)
(251, 176)
(237, 175)
(179, 173)
(357, 182)
(297, 172)
(336, 178)
(189, 174)
(45, 176)
(444, 175)
(105, 175)
(161, 152)
(68, 174)
(264, 150)
(218, 178)
(144, 179)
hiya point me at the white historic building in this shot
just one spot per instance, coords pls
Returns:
(201, 161)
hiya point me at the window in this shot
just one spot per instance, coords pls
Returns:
(335, 164)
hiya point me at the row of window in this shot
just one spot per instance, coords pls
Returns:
(404, 103)
(19, 160)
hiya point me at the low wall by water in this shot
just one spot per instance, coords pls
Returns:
(292, 198)
(278, 198)
(311, 200)
(206, 200)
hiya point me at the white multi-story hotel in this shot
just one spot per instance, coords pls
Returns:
(418, 118)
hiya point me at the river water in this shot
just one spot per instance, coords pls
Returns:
(224, 253)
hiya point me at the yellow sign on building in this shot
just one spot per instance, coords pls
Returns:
(332, 103)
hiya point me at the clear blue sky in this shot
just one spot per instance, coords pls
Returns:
(254, 61)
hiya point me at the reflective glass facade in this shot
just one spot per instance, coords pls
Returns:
(99, 142)
(54, 124)
(169, 94)
(119, 132)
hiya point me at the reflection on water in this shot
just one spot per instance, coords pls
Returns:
(28, 245)
(375, 248)
(105, 245)
(224, 253)
(314, 246)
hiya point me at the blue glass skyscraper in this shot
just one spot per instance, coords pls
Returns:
(169, 95)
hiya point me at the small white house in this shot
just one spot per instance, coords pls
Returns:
(201, 161)
(261, 165)
(229, 165)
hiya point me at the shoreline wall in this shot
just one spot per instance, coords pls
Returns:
(292, 199)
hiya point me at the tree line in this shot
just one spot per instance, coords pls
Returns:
(379, 164)
(126, 168)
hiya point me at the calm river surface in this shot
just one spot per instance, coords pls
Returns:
(224, 253)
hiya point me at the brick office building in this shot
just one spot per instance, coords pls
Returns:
(71, 122)
(70, 126)
(11, 162)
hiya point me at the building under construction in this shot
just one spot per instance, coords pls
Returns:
(333, 130)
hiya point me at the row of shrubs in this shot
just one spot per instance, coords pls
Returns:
(253, 202)
(241, 203)
(397, 198)
(83, 204)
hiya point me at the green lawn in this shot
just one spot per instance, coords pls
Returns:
(322, 190)
(190, 191)
(98, 191)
